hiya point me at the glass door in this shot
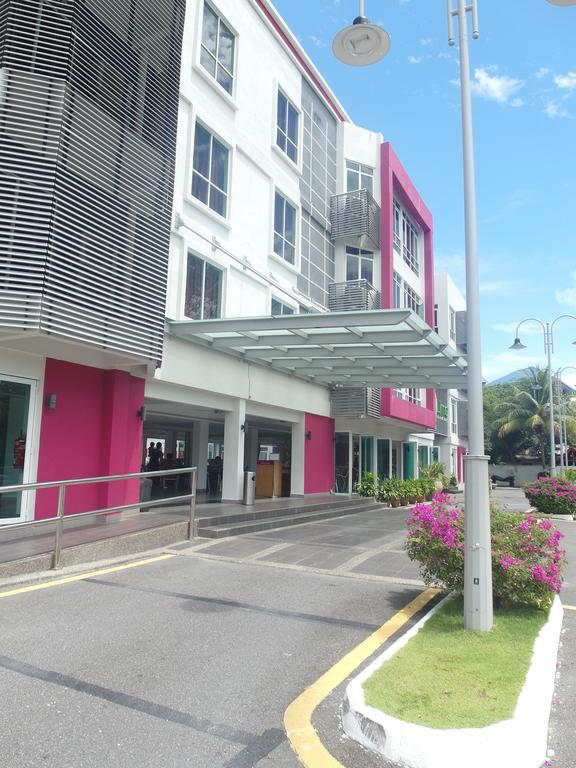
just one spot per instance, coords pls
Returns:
(355, 461)
(342, 462)
(383, 457)
(15, 400)
(367, 455)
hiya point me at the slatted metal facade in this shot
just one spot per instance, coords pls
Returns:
(353, 296)
(355, 214)
(355, 402)
(88, 117)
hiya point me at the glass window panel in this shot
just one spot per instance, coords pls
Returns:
(210, 29)
(212, 291)
(289, 253)
(366, 270)
(351, 181)
(278, 245)
(351, 268)
(278, 213)
(208, 61)
(281, 111)
(199, 188)
(276, 307)
(226, 47)
(201, 161)
(219, 170)
(290, 223)
(217, 201)
(280, 139)
(194, 283)
(292, 152)
(14, 408)
(292, 124)
(224, 79)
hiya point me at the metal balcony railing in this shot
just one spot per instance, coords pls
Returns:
(354, 214)
(59, 519)
(353, 296)
(354, 402)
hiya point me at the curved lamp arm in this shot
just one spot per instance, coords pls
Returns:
(517, 343)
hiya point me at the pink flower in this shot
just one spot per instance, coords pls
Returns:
(508, 561)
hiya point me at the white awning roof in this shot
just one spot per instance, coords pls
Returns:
(378, 348)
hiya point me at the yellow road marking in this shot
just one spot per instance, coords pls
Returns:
(298, 717)
(569, 607)
(80, 576)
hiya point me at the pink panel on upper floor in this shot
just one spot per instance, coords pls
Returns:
(93, 431)
(318, 454)
(395, 182)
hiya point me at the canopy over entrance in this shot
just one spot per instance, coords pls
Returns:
(379, 348)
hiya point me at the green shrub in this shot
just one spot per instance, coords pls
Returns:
(527, 562)
(368, 486)
(552, 495)
(570, 475)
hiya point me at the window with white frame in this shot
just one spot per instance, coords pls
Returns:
(359, 264)
(397, 291)
(452, 324)
(217, 49)
(279, 308)
(453, 416)
(397, 216)
(412, 300)
(287, 127)
(203, 289)
(210, 170)
(284, 229)
(410, 394)
(410, 244)
(359, 176)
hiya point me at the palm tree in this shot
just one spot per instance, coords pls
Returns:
(528, 410)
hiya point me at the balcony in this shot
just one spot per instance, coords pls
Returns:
(353, 296)
(355, 402)
(355, 214)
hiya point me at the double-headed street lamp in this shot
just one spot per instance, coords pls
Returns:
(562, 417)
(365, 43)
(548, 329)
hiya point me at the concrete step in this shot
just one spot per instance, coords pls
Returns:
(222, 530)
(261, 512)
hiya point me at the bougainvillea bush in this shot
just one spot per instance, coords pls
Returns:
(552, 495)
(527, 561)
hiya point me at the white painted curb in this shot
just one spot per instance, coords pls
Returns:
(517, 743)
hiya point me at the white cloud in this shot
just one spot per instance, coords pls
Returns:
(527, 329)
(567, 81)
(317, 41)
(542, 72)
(425, 41)
(489, 85)
(568, 296)
(507, 361)
(554, 109)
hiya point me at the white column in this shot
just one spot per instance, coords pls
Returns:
(200, 451)
(297, 464)
(233, 452)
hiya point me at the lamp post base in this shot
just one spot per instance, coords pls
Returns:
(478, 601)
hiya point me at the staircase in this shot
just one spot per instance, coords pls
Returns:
(278, 515)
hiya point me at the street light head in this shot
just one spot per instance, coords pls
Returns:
(518, 344)
(562, 2)
(361, 44)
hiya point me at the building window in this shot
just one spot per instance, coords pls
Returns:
(453, 416)
(278, 308)
(435, 318)
(397, 291)
(287, 127)
(210, 171)
(452, 324)
(203, 290)
(397, 227)
(410, 244)
(284, 229)
(359, 264)
(411, 394)
(217, 49)
(412, 300)
(359, 176)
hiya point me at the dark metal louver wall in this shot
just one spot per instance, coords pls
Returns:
(88, 118)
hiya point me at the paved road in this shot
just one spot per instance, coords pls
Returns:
(192, 661)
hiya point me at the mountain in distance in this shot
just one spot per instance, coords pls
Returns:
(523, 373)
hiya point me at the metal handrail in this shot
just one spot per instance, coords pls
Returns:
(59, 517)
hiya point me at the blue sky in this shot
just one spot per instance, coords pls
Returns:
(524, 74)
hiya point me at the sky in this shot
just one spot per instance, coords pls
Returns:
(523, 69)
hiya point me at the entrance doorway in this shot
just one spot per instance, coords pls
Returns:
(16, 397)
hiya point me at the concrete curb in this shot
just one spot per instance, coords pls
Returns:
(516, 743)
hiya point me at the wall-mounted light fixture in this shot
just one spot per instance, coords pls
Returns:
(142, 412)
(51, 401)
(308, 435)
(243, 427)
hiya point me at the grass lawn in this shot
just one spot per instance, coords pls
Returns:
(449, 677)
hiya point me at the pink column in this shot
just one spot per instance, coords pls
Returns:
(318, 454)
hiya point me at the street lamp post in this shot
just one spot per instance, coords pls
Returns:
(360, 44)
(548, 329)
(562, 417)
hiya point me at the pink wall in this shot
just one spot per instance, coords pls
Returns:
(318, 454)
(395, 182)
(94, 430)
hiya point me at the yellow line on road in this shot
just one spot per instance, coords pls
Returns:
(298, 717)
(81, 576)
(569, 607)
